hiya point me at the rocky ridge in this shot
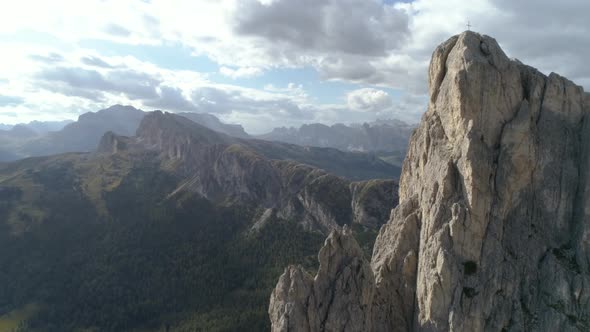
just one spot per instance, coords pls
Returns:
(47, 138)
(381, 135)
(493, 227)
(228, 170)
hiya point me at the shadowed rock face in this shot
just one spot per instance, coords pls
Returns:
(493, 227)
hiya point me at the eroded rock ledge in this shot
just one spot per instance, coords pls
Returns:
(493, 227)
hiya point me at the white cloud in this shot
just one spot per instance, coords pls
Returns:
(293, 90)
(369, 100)
(364, 42)
(242, 72)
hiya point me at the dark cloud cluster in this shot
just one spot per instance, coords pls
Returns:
(220, 101)
(72, 91)
(360, 70)
(338, 37)
(153, 93)
(551, 35)
(340, 26)
(81, 82)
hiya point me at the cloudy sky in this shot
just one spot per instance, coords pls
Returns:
(261, 63)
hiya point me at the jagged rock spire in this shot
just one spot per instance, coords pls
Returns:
(493, 227)
(338, 299)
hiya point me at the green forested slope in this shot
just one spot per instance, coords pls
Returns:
(151, 262)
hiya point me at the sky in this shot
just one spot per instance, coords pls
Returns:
(262, 63)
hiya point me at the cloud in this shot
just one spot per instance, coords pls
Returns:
(50, 58)
(76, 77)
(324, 25)
(293, 90)
(369, 100)
(219, 101)
(409, 108)
(344, 40)
(242, 72)
(95, 62)
(133, 84)
(72, 91)
(10, 100)
(171, 99)
(555, 38)
(363, 43)
(117, 30)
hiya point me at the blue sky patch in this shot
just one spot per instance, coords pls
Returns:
(10, 100)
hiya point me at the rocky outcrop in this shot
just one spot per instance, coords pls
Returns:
(112, 143)
(338, 299)
(174, 136)
(367, 201)
(493, 227)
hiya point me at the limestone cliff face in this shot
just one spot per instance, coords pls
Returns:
(493, 227)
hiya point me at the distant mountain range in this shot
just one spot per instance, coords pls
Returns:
(40, 127)
(35, 138)
(386, 138)
(175, 227)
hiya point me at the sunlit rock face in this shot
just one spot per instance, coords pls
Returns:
(492, 231)
(338, 299)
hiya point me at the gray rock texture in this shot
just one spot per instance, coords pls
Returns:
(302, 303)
(368, 198)
(492, 232)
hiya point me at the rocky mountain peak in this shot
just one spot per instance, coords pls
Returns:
(492, 229)
(22, 131)
(118, 111)
(174, 134)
